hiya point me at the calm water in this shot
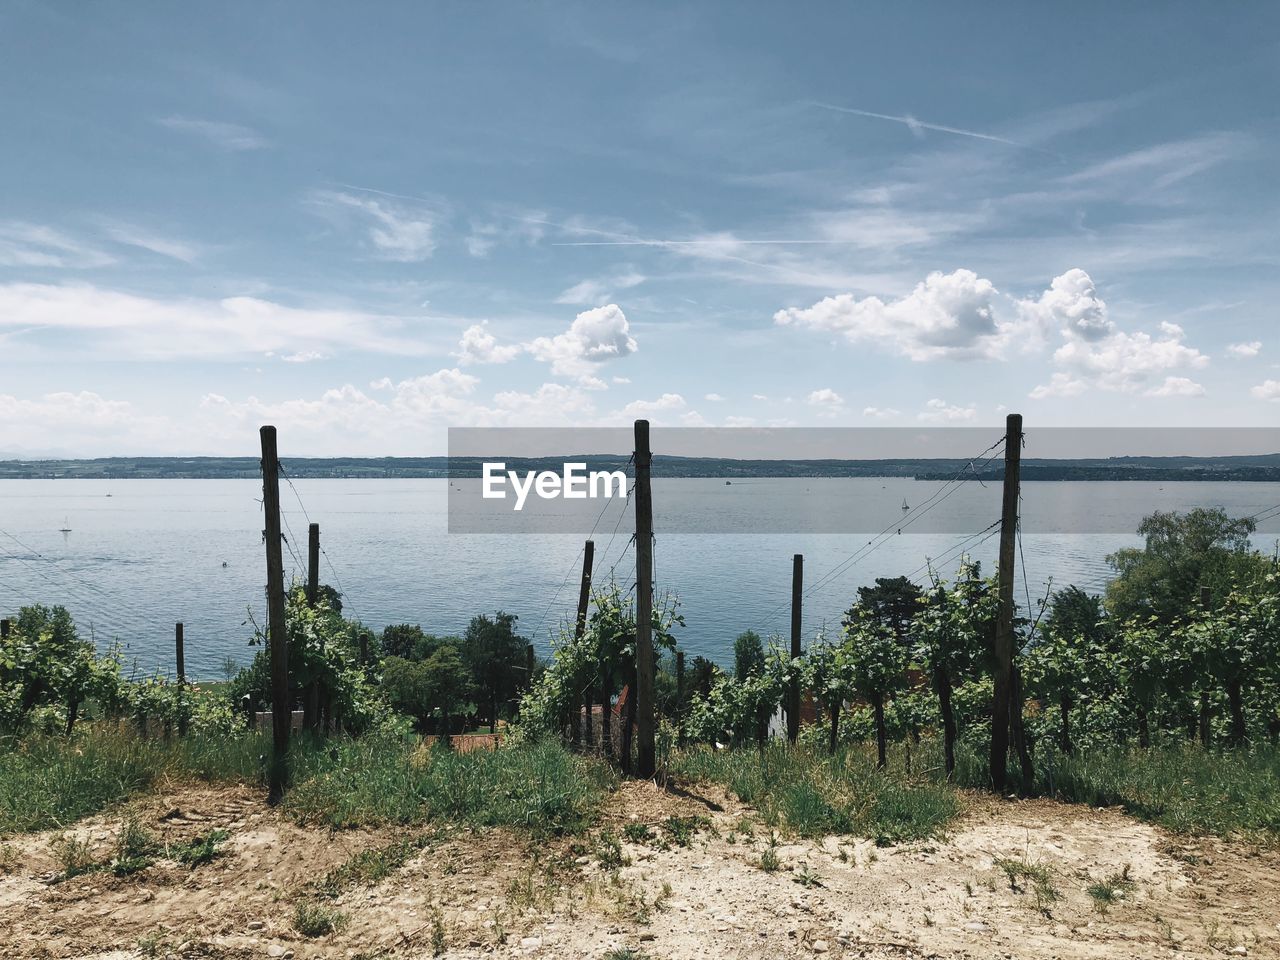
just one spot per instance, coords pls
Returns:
(156, 551)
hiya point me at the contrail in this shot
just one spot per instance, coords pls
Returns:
(915, 126)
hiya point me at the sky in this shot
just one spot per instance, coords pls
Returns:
(369, 223)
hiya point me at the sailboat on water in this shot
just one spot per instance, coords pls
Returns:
(66, 526)
(905, 505)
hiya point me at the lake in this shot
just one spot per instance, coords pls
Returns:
(142, 554)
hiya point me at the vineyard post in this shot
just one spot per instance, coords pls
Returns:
(311, 696)
(579, 629)
(4, 629)
(529, 661)
(180, 656)
(645, 758)
(793, 693)
(1002, 696)
(277, 637)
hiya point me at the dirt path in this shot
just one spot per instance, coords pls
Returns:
(1011, 880)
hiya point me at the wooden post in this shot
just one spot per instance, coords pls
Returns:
(1204, 719)
(1002, 697)
(793, 694)
(4, 628)
(529, 662)
(645, 751)
(180, 656)
(311, 697)
(277, 635)
(579, 630)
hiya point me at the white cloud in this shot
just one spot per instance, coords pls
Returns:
(714, 398)
(82, 423)
(1072, 306)
(594, 337)
(398, 231)
(947, 315)
(112, 324)
(739, 421)
(33, 245)
(594, 293)
(227, 136)
(1177, 387)
(303, 357)
(478, 345)
(879, 413)
(1059, 385)
(1267, 390)
(827, 402)
(664, 404)
(621, 379)
(939, 411)
(1244, 350)
(133, 236)
(759, 396)
(1126, 362)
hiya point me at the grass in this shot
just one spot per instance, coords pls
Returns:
(202, 849)
(1023, 875)
(1179, 786)
(812, 794)
(49, 782)
(369, 866)
(312, 919)
(1110, 891)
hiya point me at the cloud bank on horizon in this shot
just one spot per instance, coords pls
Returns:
(465, 218)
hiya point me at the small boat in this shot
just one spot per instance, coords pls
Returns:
(66, 526)
(728, 483)
(905, 506)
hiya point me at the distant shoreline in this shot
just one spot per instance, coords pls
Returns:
(1261, 468)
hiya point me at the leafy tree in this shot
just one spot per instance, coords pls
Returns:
(829, 673)
(1058, 667)
(495, 653)
(894, 602)
(429, 690)
(1182, 553)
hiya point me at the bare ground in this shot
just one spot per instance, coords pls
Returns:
(477, 894)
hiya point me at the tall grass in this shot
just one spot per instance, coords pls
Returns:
(811, 793)
(50, 781)
(540, 786)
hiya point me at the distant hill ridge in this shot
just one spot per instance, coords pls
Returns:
(1255, 468)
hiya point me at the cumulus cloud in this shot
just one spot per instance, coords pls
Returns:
(594, 337)
(402, 232)
(79, 423)
(1245, 350)
(1096, 354)
(1071, 305)
(713, 398)
(664, 404)
(478, 345)
(826, 401)
(1267, 390)
(946, 315)
(1177, 387)
(879, 413)
(939, 411)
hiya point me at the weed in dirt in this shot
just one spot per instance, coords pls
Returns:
(74, 856)
(625, 953)
(149, 945)
(681, 830)
(369, 866)
(806, 877)
(8, 858)
(136, 848)
(769, 860)
(1105, 893)
(608, 851)
(637, 833)
(1020, 872)
(312, 919)
(202, 849)
(438, 944)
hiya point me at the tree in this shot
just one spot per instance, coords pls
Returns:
(1058, 667)
(828, 672)
(1183, 552)
(894, 602)
(496, 655)
(878, 662)
(428, 690)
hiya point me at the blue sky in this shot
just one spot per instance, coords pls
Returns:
(368, 223)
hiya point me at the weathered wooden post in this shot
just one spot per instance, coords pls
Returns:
(277, 636)
(579, 630)
(1002, 697)
(1204, 720)
(793, 694)
(4, 628)
(180, 656)
(645, 750)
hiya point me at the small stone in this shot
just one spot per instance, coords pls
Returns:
(977, 926)
(1239, 950)
(255, 925)
(820, 946)
(530, 944)
(647, 936)
(276, 951)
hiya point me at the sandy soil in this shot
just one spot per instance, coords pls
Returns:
(468, 894)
